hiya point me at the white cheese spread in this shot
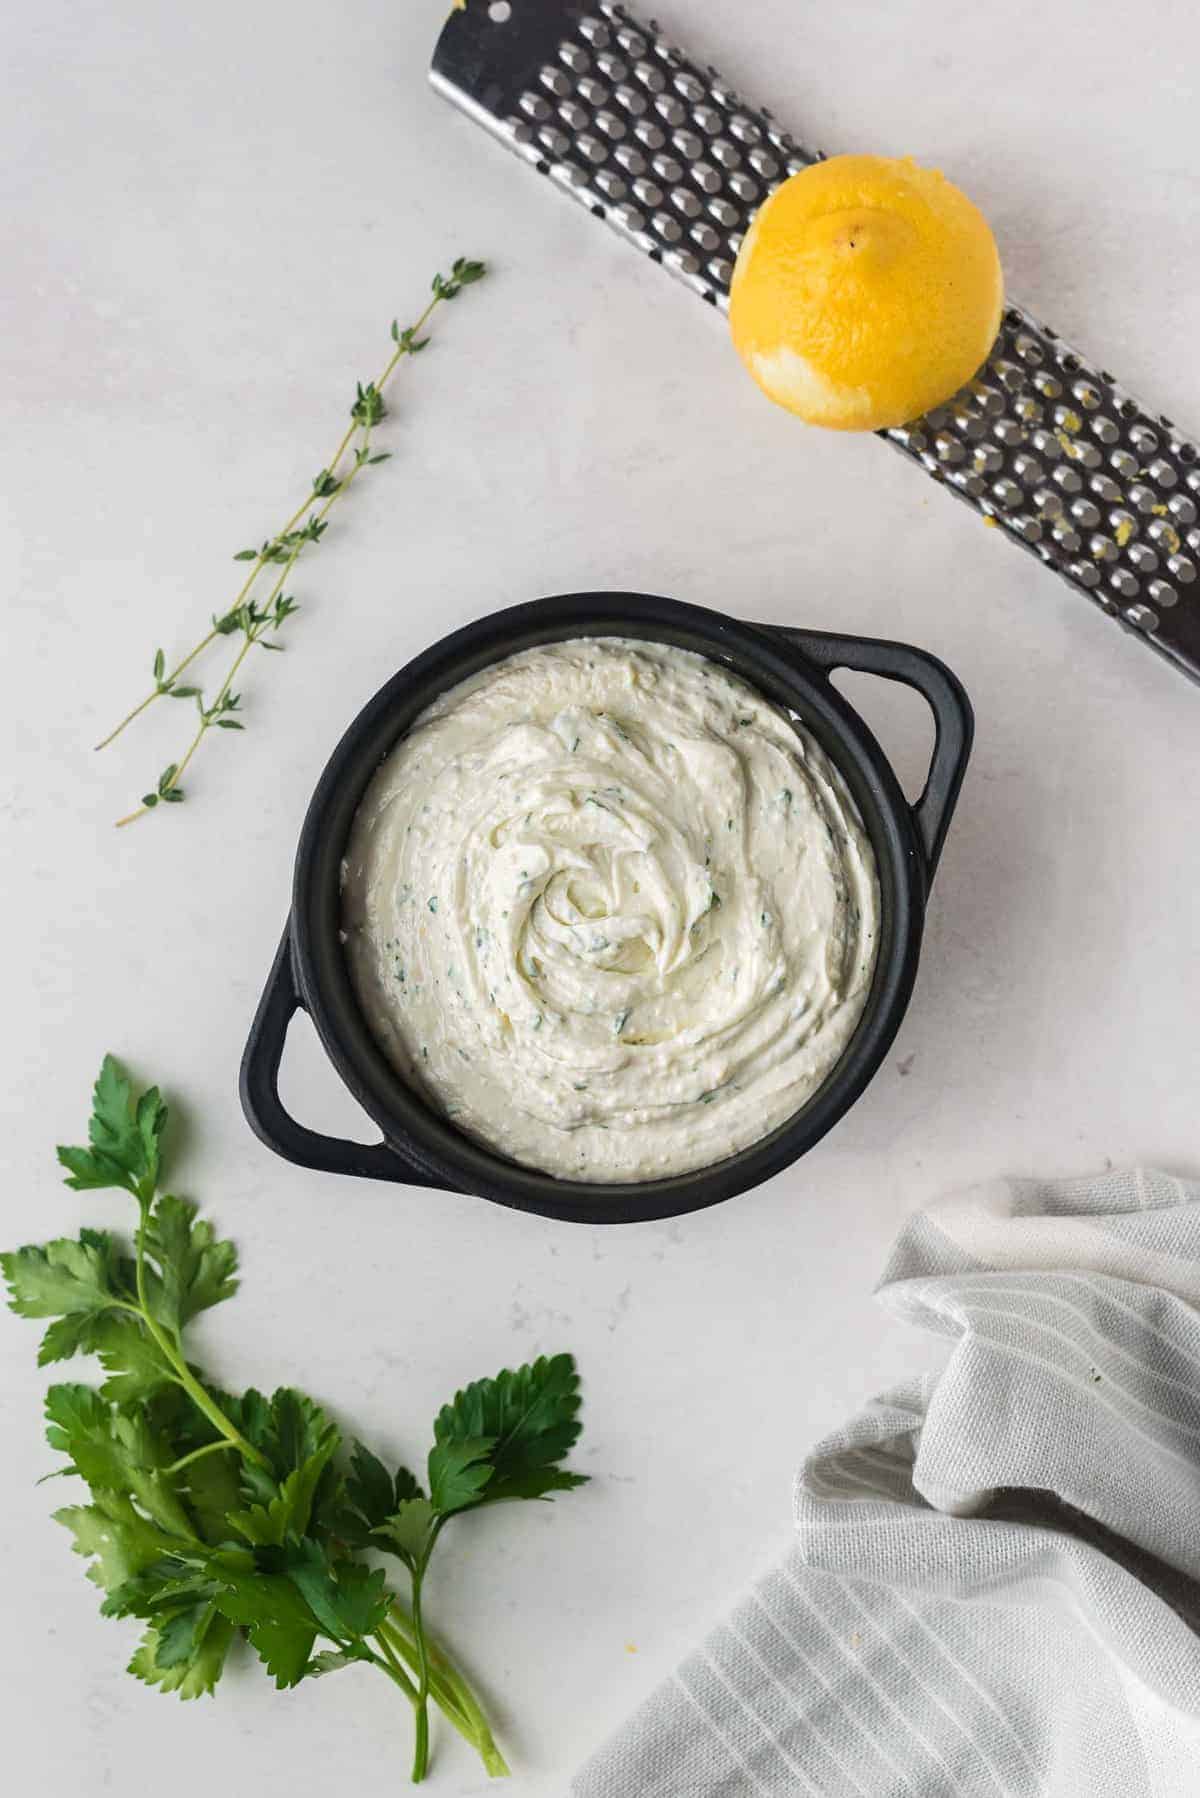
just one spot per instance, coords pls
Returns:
(610, 911)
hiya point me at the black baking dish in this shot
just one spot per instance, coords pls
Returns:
(790, 667)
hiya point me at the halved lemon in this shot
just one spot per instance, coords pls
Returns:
(867, 290)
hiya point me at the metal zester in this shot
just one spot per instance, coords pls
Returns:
(1042, 442)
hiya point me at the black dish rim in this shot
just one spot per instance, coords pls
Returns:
(788, 667)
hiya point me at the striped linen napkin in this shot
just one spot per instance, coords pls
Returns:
(996, 1582)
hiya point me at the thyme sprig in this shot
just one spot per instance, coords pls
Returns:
(259, 609)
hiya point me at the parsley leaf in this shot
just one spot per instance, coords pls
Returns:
(74, 1282)
(329, 1661)
(458, 1472)
(115, 1450)
(349, 1601)
(406, 1532)
(189, 1664)
(383, 1510)
(125, 1137)
(278, 1623)
(194, 1269)
(288, 1513)
(372, 1493)
(529, 1420)
(114, 1537)
(287, 1428)
(213, 1491)
(129, 1355)
(209, 1513)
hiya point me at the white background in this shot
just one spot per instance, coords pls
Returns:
(211, 215)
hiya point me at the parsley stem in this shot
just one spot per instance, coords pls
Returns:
(209, 1406)
(446, 1688)
(450, 1690)
(173, 1354)
(444, 1696)
(417, 1574)
(210, 1448)
(421, 1745)
(391, 1666)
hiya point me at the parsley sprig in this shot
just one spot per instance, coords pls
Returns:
(211, 1514)
(259, 609)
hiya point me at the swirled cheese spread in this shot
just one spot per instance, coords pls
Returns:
(610, 911)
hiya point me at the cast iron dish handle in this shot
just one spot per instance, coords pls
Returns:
(954, 721)
(264, 1109)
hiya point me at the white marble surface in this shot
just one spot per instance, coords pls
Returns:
(210, 215)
